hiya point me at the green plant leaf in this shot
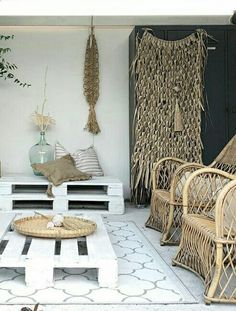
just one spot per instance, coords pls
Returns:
(6, 67)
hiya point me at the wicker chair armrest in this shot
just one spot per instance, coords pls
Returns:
(163, 171)
(202, 189)
(226, 213)
(179, 179)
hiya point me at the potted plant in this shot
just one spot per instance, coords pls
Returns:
(7, 68)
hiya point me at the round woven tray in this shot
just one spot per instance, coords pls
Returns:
(36, 226)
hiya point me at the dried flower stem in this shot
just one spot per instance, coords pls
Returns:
(39, 119)
(44, 91)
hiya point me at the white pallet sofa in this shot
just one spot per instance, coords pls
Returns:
(24, 193)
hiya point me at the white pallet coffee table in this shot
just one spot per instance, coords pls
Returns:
(39, 256)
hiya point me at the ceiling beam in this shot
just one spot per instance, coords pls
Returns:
(112, 20)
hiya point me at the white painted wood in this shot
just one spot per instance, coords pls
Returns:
(5, 223)
(112, 193)
(88, 197)
(40, 260)
(52, 211)
(14, 248)
(116, 191)
(29, 197)
(5, 203)
(69, 252)
(43, 248)
(59, 190)
(41, 180)
(108, 273)
(11, 257)
(23, 179)
(98, 244)
(60, 204)
(100, 251)
(99, 181)
(5, 189)
(116, 206)
(40, 263)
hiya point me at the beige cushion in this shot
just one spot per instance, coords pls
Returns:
(180, 185)
(60, 170)
(201, 185)
(229, 208)
(86, 160)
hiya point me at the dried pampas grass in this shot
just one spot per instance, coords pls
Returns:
(42, 121)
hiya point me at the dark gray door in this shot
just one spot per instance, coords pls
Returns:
(232, 81)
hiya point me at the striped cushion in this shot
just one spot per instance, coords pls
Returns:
(60, 151)
(86, 160)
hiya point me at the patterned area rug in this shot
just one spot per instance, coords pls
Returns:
(143, 278)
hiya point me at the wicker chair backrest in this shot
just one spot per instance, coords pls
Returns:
(226, 160)
(203, 189)
(226, 212)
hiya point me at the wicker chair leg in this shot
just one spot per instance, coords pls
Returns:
(217, 273)
(154, 221)
(207, 301)
(166, 233)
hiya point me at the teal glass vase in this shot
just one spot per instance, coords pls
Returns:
(41, 152)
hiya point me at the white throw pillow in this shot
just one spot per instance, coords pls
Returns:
(86, 160)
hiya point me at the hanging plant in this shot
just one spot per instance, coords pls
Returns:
(91, 81)
(7, 68)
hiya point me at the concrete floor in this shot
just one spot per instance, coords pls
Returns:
(192, 282)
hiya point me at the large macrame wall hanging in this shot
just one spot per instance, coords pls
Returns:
(91, 81)
(169, 98)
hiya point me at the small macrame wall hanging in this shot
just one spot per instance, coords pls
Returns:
(91, 81)
(169, 85)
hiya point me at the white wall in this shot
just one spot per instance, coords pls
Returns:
(62, 49)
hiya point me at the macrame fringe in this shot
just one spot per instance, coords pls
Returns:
(92, 124)
(178, 125)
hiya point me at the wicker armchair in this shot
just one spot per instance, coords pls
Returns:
(208, 241)
(168, 179)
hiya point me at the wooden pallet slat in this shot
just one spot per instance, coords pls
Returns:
(88, 197)
(40, 263)
(5, 222)
(45, 246)
(69, 251)
(102, 248)
(101, 251)
(13, 250)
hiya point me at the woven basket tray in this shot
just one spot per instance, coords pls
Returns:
(36, 226)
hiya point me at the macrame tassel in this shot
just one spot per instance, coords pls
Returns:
(92, 124)
(178, 124)
(91, 81)
(49, 191)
